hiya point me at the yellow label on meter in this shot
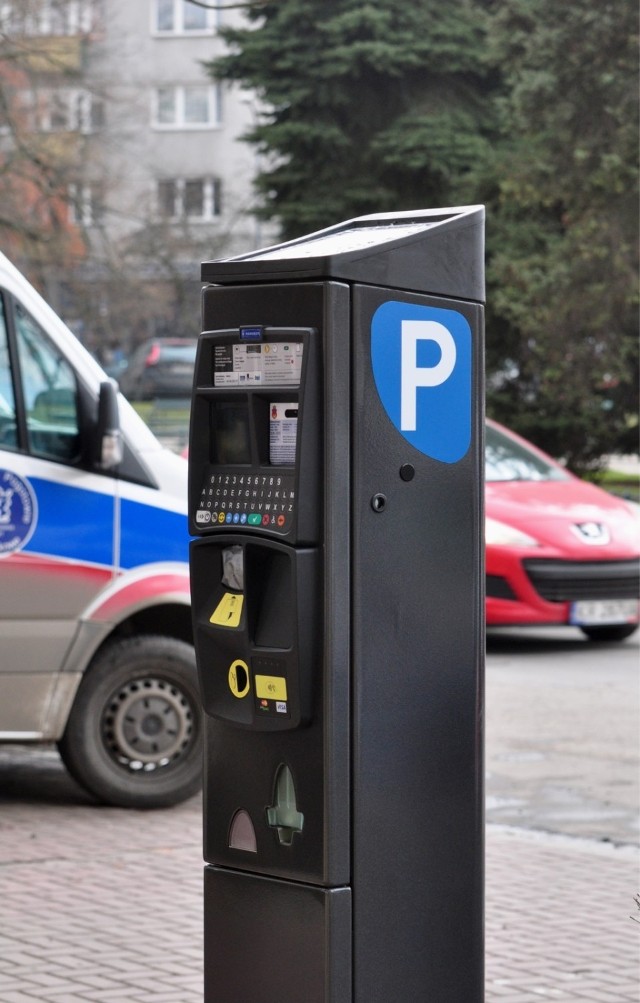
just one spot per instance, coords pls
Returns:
(239, 682)
(271, 688)
(228, 611)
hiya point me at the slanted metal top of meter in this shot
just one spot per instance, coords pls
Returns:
(351, 239)
(437, 251)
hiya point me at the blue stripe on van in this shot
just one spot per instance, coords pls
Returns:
(150, 534)
(72, 523)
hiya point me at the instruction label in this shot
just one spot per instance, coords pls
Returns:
(271, 687)
(228, 611)
(266, 364)
(283, 430)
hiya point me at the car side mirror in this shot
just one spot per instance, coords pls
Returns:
(109, 436)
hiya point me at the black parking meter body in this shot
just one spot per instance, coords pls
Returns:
(336, 490)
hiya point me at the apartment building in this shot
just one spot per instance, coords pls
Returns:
(146, 171)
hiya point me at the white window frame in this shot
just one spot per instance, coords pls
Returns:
(178, 29)
(72, 18)
(85, 109)
(50, 104)
(77, 106)
(212, 192)
(179, 123)
(85, 204)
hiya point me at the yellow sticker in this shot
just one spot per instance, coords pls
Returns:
(228, 611)
(271, 688)
(239, 682)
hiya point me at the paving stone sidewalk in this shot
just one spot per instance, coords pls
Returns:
(561, 919)
(105, 906)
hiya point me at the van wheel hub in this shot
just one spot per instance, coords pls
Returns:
(147, 724)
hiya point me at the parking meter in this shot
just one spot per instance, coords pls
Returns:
(336, 497)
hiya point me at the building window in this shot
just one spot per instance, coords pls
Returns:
(197, 106)
(179, 17)
(66, 110)
(189, 199)
(87, 113)
(47, 17)
(53, 111)
(86, 204)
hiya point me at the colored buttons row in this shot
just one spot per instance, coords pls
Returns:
(241, 518)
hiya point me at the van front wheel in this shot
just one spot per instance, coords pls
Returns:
(134, 736)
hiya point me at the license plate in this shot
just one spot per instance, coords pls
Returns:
(590, 612)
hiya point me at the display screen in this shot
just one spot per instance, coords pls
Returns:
(230, 436)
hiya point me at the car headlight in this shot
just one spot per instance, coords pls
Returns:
(635, 509)
(501, 534)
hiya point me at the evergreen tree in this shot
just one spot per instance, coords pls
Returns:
(527, 105)
(564, 226)
(367, 107)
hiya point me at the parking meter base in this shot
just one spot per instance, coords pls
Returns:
(301, 952)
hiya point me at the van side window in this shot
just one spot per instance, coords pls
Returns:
(8, 428)
(50, 392)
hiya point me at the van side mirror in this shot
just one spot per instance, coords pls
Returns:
(109, 436)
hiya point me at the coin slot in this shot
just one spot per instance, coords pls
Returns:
(239, 683)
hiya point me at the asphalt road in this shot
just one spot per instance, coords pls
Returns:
(562, 734)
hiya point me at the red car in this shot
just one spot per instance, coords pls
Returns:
(558, 550)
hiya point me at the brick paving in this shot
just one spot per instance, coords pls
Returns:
(559, 920)
(105, 905)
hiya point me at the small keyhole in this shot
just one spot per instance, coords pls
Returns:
(378, 503)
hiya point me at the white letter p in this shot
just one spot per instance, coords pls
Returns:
(414, 376)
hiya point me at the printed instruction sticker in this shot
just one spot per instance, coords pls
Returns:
(270, 364)
(283, 431)
(228, 611)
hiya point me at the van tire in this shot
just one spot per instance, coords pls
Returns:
(134, 735)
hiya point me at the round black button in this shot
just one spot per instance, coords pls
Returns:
(407, 472)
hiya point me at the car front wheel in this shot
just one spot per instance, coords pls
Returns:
(134, 735)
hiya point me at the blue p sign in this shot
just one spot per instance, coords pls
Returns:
(421, 358)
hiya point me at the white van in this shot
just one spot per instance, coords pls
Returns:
(95, 622)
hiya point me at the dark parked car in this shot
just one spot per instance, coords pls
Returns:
(161, 367)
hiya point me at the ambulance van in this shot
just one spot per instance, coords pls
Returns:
(96, 647)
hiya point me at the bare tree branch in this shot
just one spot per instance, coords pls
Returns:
(246, 5)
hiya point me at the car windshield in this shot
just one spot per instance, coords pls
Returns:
(508, 460)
